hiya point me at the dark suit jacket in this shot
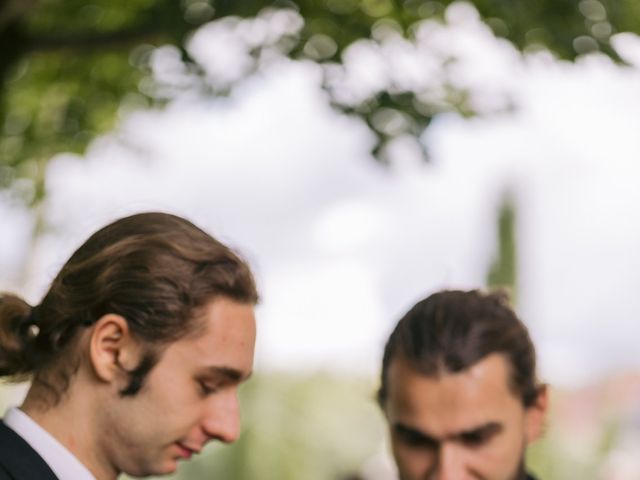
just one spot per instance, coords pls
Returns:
(18, 461)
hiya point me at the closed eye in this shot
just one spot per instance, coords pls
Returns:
(414, 438)
(208, 387)
(473, 439)
(212, 379)
(480, 436)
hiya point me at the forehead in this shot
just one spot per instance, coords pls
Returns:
(225, 339)
(450, 403)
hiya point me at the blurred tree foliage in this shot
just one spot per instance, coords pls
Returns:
(67, 67)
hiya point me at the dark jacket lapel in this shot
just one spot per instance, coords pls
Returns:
(18, 461)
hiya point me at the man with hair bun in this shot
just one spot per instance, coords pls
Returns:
(459, 389)
(135, 354)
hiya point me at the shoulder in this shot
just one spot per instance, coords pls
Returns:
(4, 474)
(18, 461)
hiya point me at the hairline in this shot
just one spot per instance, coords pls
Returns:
(442, 371)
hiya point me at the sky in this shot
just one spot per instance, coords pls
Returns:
(341, 245)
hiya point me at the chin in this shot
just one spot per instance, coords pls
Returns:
(169, 467)
(165, 468)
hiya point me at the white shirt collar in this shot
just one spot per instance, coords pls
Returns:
(63, 463)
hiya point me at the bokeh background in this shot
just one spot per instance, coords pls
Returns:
(361, 154)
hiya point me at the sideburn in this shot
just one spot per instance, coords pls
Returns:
(138, 375)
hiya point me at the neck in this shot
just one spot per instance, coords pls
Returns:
(71, 421)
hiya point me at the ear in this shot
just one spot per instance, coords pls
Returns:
(536, 414)
(111, 347)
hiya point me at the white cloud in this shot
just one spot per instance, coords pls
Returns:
(343, 246)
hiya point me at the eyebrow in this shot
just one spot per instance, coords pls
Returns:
(230, 374)
(486, 430)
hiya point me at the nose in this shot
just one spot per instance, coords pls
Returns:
(221, 420)
(451, 463)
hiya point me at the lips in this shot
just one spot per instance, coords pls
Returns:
(185, 451)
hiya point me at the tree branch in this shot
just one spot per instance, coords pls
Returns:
(96, 41)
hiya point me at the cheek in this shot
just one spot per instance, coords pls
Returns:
(159, 415)
(177, 414)
(172, 399)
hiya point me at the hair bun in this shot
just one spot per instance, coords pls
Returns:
(16, 321)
